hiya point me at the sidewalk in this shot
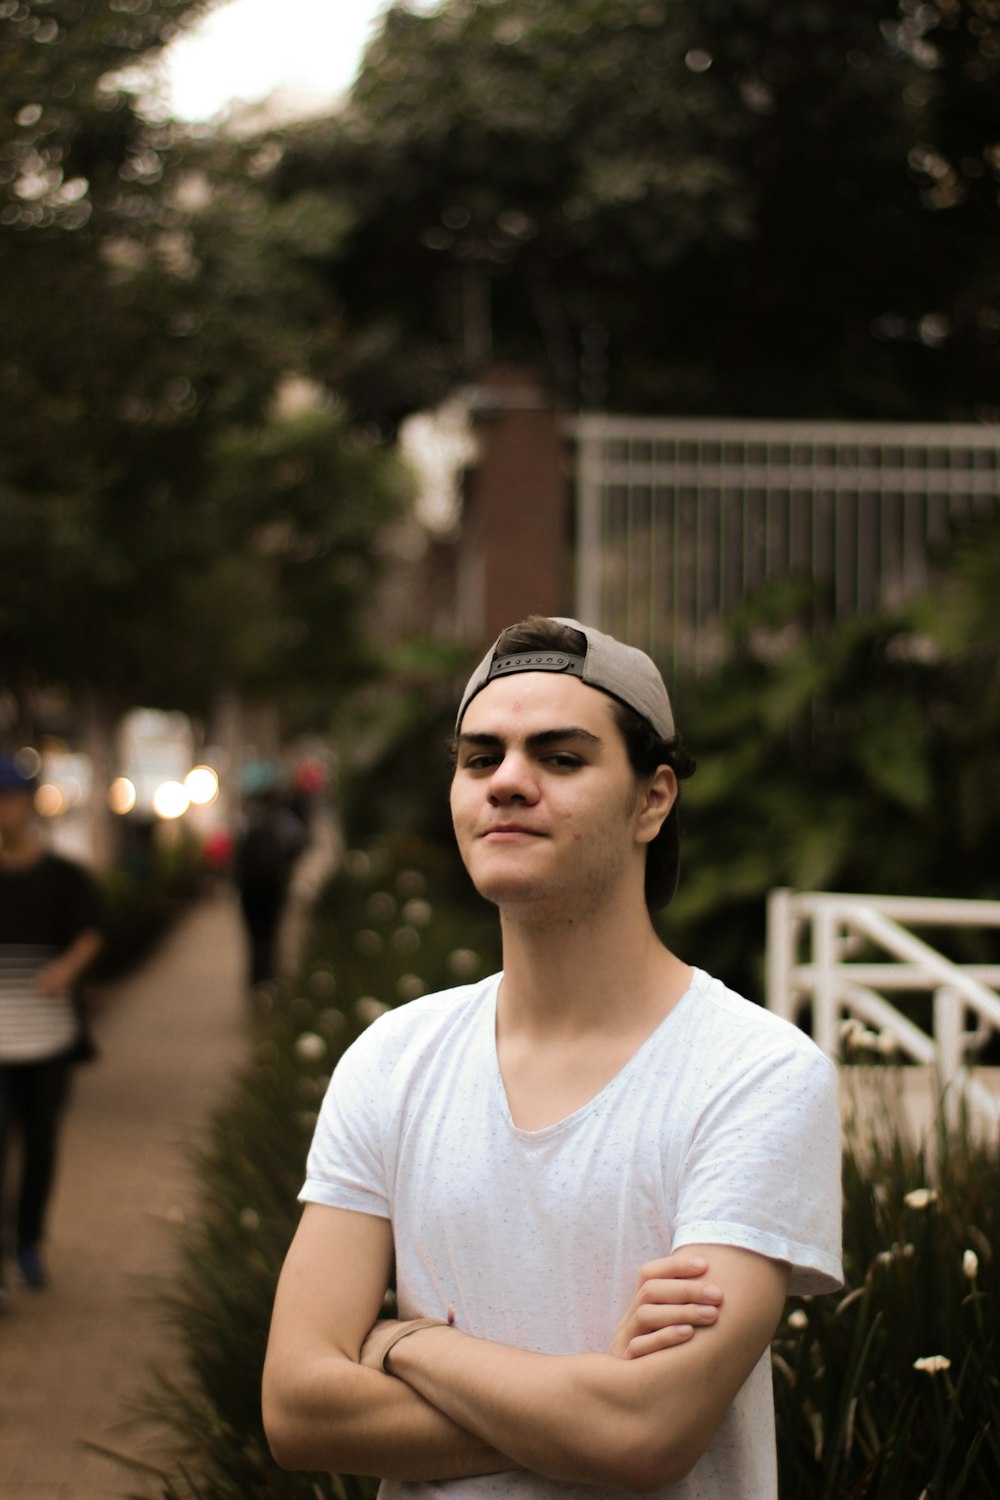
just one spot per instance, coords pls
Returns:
(74, 1356)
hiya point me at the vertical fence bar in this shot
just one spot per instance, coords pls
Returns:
(826, 1031)
(780, 953)
(589, 528)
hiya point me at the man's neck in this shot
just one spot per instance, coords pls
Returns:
(603, 972)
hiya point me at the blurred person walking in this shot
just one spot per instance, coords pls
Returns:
(50, 931)
(269, 842)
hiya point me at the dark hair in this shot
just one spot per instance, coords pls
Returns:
(645, 749)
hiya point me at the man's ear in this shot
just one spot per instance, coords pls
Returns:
(655, 803)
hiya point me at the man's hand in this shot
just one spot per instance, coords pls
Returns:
(53, 979)
(670, 1303)
(59, 976)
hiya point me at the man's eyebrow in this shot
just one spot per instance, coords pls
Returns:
(537, 741)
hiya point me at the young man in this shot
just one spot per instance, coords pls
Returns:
(49, 932)
(555, 1158)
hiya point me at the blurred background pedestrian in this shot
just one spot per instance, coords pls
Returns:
(269, 841)
(50, 931)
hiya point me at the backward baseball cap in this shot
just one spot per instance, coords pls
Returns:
(625, 672)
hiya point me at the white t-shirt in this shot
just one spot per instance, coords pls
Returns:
(722, 1129)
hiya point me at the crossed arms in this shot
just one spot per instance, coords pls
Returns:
(454, 1405)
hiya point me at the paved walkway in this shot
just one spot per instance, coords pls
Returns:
(73, 1357)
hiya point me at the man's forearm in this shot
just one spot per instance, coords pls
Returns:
(635, 1424)
(578, 1417)
(344, 1418)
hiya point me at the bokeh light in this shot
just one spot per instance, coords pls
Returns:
(28, 761)
(121, 796)
(171, 800)
(202, 786)
(49, 800)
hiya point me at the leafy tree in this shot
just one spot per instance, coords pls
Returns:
(508, 170)
(301, 503)
(154, 301)
(730, 207)
(869, 285)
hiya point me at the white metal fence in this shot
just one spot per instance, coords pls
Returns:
(678, 519)
(843, 955)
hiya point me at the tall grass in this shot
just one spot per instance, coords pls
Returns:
(892, 1389)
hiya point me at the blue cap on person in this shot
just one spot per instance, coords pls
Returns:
(17, 773)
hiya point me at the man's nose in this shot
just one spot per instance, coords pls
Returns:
(514, 780)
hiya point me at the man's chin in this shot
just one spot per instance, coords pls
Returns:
(509, 890)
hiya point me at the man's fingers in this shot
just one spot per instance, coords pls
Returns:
(672, 1265)
(663, 1338)
(652, 1317)
(659, 1290)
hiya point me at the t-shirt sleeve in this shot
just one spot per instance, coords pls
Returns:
(346, 1163)
(763, 1170)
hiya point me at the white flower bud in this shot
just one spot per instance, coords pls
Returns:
(310, 1047)
(463, 961)
(921, 1198)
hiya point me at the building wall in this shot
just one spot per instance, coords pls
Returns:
(514, 550)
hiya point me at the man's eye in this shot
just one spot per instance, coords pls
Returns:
(564, 762)
(481, 762)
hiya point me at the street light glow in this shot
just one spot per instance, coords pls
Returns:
(170, 800)
(49, 800)
(202, 785)
(121, 796)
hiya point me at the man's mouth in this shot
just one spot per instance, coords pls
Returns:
(510, 830)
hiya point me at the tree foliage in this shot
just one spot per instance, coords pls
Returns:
(727, 207)
(156, 302)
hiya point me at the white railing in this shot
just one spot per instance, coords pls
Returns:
(843, 954)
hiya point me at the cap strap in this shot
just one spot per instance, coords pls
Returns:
(535, 661)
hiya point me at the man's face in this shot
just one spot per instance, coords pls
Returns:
(545, 804)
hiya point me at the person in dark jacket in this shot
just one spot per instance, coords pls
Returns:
(269, 842)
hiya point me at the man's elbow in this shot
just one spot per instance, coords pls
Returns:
(283, 1447)
(297, 1440)
(651, 1457)
(283, 1429)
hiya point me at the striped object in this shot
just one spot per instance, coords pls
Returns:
(33, 1026)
